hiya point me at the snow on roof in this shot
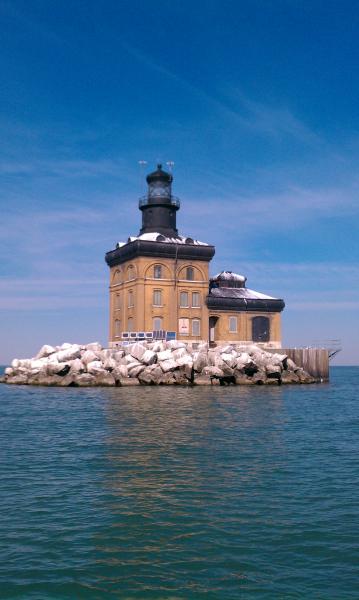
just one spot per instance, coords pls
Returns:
(229, 275)
(239, 293)
(159, 237)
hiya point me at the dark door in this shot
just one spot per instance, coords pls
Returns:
(212, 326)
(260, 329)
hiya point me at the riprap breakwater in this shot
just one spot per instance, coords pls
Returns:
(162, 363)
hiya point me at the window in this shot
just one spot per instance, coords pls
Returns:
(196, 299)
(130, 299)
(130, 272)
(157, 297)
(117, 277)
(190, 273)
(157, 272)
(184, 299)
(260, 329)
(117, 328)
(183, 326)
(157, 323)
(232, 324)
(196, 327)
(118, 302)
(130, 324)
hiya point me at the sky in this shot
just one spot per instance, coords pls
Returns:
(256, 102)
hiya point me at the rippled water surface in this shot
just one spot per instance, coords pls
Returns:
(155, 493)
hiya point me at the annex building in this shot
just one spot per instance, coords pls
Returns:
(160, 285)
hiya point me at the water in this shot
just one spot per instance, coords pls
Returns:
(166, 493)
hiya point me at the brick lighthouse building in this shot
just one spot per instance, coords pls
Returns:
(160, 285)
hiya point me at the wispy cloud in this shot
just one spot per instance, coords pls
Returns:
(234, 105)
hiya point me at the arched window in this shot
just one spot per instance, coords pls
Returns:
(117, 276)
(196, 327)
(190, 273)
(131, 301)
(260, 329)
(157, 323)
(157, 297)
(130, 324)
(157, 271)
(117, 328)
(131, 272)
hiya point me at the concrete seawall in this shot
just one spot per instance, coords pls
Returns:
(314, 361)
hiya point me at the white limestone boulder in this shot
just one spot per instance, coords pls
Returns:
(135, 370)
(186, 359)
(94, 347)
(76, 366)
(88, 356)
(178, 352)
(291, 366)
(95, 367)
(242, 360)
(149, 357)
(164, 355)
(229, 359)
(168, 365)
(213, 371)
(120, 372)
(158, 346)
(109, 364)
(46, 350)
(175, 345)
(70, 353)
(200, 362)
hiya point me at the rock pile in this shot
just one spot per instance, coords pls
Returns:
(154, 363)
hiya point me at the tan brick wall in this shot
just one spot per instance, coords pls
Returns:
(137, 276)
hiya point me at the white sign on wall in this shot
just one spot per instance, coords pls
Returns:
(183, 326)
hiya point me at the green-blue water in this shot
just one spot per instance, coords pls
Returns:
(154, 493)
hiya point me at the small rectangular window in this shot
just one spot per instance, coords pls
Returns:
(183, 326)
(195, 299)
(117, 328)
(157, 324)
(233, 324)
(196, 327)
(118, 302)
(184, 299)
(157, 297)
(157, 272)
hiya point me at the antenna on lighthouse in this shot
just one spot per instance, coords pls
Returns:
(142, 164)
(170, 164)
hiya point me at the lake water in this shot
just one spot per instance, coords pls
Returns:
(166, 493)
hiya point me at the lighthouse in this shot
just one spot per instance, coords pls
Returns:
(160, 287)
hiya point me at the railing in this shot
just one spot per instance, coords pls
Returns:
(147, 200)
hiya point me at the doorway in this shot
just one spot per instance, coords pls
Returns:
(212, 329)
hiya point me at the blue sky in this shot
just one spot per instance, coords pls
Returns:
(256, 102)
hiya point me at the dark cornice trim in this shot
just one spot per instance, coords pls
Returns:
(158, 250)
(245, 304)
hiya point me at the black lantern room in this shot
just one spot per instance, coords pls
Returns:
(159, 206)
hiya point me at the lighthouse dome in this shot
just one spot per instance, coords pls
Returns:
(229, 279)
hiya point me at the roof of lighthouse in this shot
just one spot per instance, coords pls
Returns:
(159, 237)
(228, 292)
